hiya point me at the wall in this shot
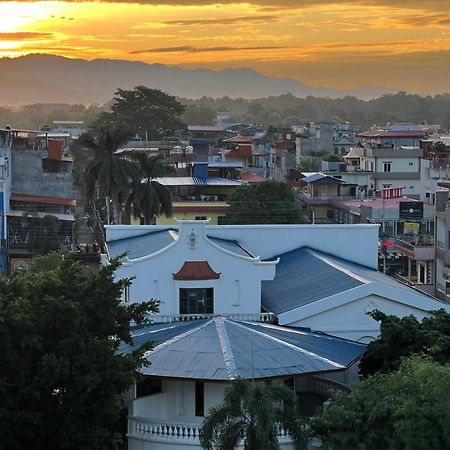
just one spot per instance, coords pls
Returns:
(350, 321)
(238, 290)
(357, 243)
(29, 178)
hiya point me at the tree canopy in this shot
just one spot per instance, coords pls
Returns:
(149, 113)
(407, 409)
(61, 378)
(260, 203)
(253, 413)
(401, 337)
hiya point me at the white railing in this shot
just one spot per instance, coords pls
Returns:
(147, 430)
(326, 387)
(169, 318)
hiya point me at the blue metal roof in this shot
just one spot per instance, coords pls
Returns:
(223, 349)
(142, 245)
(304, 276)
(153, 241)
(195, 181)
(231, 246)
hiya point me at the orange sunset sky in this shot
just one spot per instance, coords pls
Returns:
(397, 44)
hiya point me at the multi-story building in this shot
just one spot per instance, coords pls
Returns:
(222, 288)
(41, 213)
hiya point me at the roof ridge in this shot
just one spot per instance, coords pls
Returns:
(225, 345)
(178, 337)
(291, 346)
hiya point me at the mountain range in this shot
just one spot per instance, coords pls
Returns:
(47, 78)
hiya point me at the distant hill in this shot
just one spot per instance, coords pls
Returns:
(47, 78)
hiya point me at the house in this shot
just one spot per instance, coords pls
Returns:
(242, 301)
(246, 269)
(41, 202)
(204, 194)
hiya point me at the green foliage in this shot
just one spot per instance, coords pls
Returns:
(149, 113)
(199, 115)
(333, 158)
(148, 198)
(51, 260)
(401, 337)
(106, 171)
(268, 202)
(61, 378)
(407, 409)
(253, 412)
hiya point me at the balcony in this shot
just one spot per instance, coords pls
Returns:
(419, 248)
(312, 199)
(170, 318)
(144, 434)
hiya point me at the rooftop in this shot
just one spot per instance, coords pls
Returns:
(223, 349)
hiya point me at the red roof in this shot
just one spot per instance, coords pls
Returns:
(241, 150)
(251, 177)
(242, 139)
(43, 199)
(196, 270)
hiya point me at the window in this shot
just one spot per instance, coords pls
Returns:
(126, 294)
(200, 217)
(148, 386)
(410, 163)
(196, 301)
(199, 398)
(387, 166)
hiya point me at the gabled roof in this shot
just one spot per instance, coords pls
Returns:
(321, 178)
(222, 349)
(305, 276)
(153, 241)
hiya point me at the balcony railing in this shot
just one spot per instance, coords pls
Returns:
(170, 318)
(158, 431)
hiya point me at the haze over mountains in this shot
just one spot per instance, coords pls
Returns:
(46, 78)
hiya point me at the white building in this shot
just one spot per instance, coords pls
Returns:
(235, 280)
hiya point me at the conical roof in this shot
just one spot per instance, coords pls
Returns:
(223, 349)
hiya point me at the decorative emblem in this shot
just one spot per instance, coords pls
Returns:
(192, 240)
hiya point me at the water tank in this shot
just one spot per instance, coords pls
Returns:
(189, 150)
(176, 150)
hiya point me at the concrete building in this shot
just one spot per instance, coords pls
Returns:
(223, 287)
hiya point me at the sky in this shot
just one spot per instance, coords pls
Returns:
(396, 44)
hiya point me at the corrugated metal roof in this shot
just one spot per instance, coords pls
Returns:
(321, 178)
(195, 181)
(302, 277)
(225, 165)
(222, 349)
(142, 245)
(153, 241)
(231, 246)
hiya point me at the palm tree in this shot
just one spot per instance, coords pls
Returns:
(148, 198)
(107, 172)
(253, 413)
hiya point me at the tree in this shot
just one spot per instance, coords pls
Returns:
(148, 198)
(268, 202)
(41, 233)
(253, 413)
(401, 337)
(61, 378)
(407, 409)
(149, 113)
(108, 172)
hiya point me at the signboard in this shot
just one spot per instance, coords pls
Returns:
(411, 210)
(411, 228)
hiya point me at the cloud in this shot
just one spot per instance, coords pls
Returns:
(24, 36)
(189, 49)
(222, 21)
